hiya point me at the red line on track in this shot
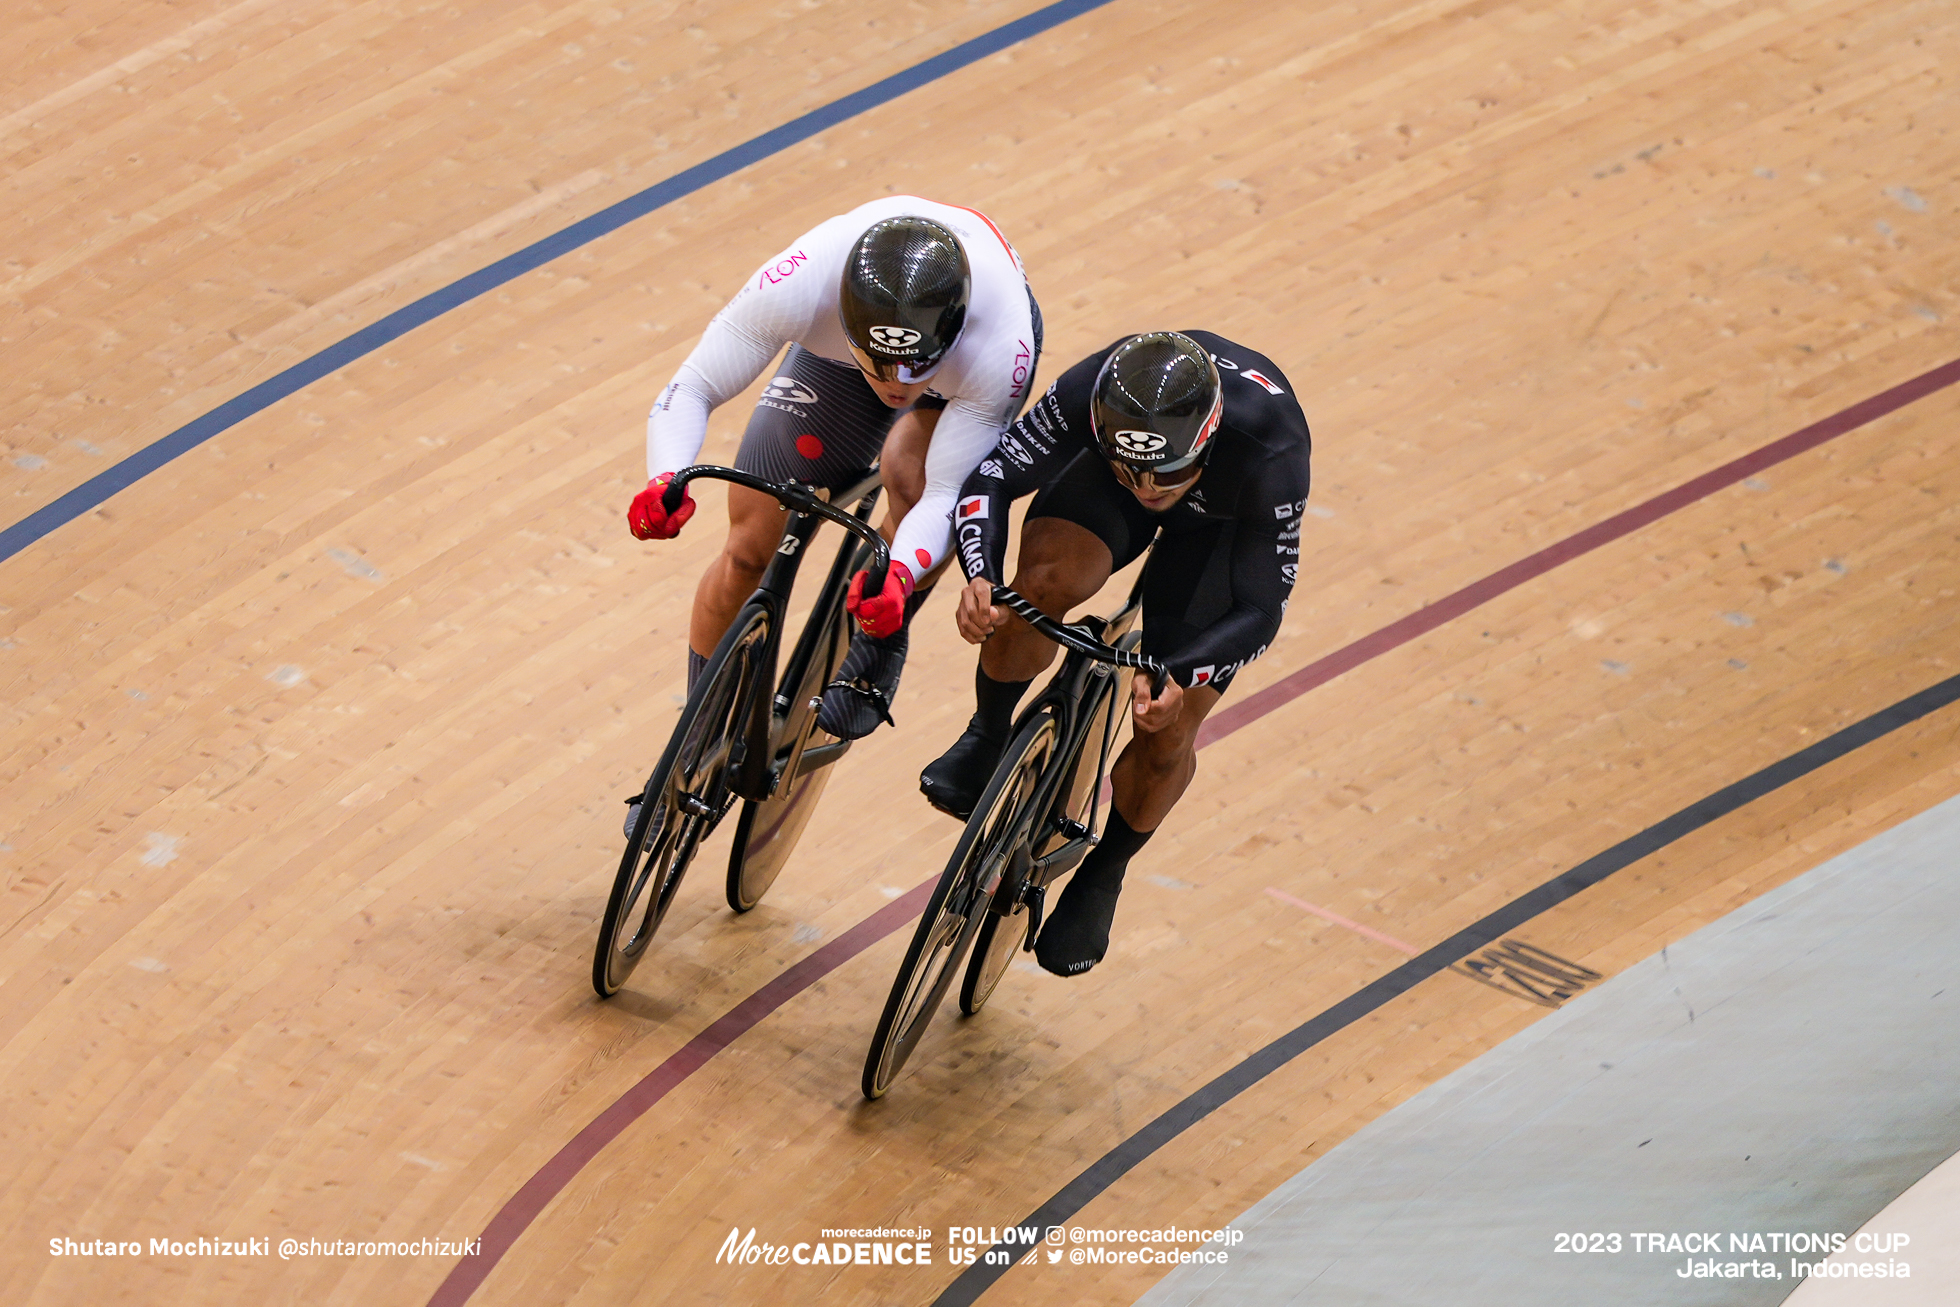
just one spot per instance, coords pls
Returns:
(524, 1206)
(1426, 619)
(1367, 932)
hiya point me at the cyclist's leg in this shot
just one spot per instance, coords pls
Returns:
(1150, 775)
(867, 683)
(1187, 589)
(755, 525)
(816, 421)
(1077, 532)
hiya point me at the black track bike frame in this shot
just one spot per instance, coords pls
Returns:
(1054, 841)
(751, 771)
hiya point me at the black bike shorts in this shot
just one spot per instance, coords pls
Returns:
(1187, 584)
(818, 421)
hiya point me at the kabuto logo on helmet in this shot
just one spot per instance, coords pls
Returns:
(1139, 442)
(1155, 405)
(893, 340)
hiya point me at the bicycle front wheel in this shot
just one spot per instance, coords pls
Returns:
(684, 798)
(959, 902)
(1003, 936)
(1000, 939)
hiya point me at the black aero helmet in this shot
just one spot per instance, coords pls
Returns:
(1156, 404)
(902, 297)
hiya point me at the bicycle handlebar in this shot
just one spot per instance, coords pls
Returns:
(798, 497)
(1073, 637)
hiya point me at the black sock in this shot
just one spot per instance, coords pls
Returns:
(695, 662)
(1105, 863)
(995, 702)
(1076, 934)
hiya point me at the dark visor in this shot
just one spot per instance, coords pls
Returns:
(1149, 481)
(903, 371)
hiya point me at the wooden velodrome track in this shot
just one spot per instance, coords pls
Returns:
(315, 735)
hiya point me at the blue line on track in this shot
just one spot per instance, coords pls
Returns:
(91, 494)
(1119, 1161)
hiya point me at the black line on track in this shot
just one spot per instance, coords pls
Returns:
(1076, 1195)
(92, 493)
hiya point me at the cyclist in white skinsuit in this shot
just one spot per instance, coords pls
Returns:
(914, 340)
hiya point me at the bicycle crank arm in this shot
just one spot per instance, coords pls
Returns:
(805, 759)
(788, 772)
(817, 758)
(1046, 869)
(1034, 895)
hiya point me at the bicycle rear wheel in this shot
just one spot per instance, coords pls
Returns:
(958, 906)
(684, 799)
(769, 828)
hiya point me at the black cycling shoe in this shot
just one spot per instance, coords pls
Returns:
(866, 684)
(1076, 934)
(952, 783)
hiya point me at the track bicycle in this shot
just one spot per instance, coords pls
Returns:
(1036, 819)
(743, 733)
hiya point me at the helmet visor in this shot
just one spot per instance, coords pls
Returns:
(1136, 457)
(1157, 481)
(904, 371)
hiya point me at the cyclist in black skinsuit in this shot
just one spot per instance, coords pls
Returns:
(1187, 438)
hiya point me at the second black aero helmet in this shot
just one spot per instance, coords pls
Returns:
(902, 297)
(1156, 404)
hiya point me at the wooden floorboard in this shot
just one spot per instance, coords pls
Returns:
(314, 738)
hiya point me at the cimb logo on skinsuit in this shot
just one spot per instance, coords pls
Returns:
(894, 340)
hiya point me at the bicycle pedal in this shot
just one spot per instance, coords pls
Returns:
(1070, 829)
(956, 815)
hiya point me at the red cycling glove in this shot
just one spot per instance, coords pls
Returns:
(883, 613)
(649, 518)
